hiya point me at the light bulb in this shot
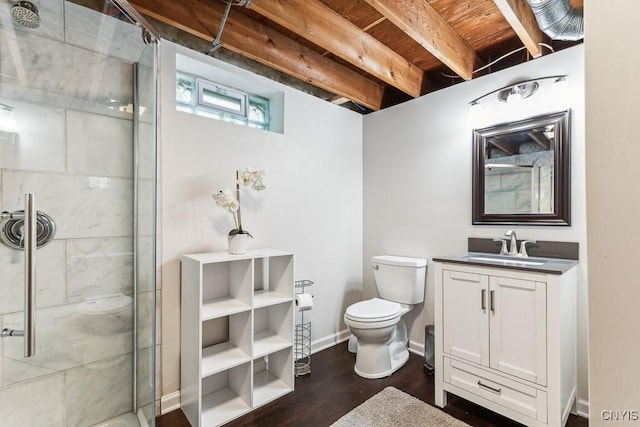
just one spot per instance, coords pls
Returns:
(515, 96)
(560, 86)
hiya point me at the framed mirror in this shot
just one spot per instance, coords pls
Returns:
(521, 172)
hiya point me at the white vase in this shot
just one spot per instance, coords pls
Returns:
(238, 243)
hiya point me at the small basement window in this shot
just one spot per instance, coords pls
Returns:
(209, 99)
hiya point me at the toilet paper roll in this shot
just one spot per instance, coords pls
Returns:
(304, 302)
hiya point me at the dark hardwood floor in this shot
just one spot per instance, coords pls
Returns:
(333, 389)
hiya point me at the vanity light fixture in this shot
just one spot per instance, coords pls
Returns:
(475, 105)
(520, 90)
(549, 132)
(560, 85)
(8, 119)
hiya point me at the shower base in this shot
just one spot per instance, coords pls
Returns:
(126, 420)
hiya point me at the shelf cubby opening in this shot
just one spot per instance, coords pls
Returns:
(226, 342)
(273, 326)
(272, 280)
(272, 376)
(226, 288)
(226, 395)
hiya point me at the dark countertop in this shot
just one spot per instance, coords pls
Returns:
(549, 266)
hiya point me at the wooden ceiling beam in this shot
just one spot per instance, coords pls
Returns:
(503, 146)
(267, 46)
(324, 27)
(519, 15)
(374, 23)
(424, 25)
(540, 140)
(339, 100)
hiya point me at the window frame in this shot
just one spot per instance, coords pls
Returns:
(198, 104)
(202, 85)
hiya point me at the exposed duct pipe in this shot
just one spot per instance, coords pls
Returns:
(558, 19)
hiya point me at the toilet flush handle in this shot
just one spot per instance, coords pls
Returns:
(375, 267)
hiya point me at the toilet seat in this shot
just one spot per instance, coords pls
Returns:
(374, 310)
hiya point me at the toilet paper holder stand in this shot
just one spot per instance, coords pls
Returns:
(302, 336)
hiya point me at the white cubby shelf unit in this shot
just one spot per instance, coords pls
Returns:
(237, 333)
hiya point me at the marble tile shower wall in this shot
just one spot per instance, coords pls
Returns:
(521, 190)
(74, 150)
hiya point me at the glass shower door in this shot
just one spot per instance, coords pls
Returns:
(67, 132)
(144, 234)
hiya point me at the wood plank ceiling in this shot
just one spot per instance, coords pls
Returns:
(367, 54)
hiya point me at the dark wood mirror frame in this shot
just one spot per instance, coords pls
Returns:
(561, 214)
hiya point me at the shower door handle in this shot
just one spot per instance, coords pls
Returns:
(30, 233)
(27, 230)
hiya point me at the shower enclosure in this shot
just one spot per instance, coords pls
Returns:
(77, 195)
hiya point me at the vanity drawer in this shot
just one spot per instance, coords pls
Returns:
(518, 397)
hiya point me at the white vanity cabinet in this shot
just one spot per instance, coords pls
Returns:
(237, 315)
(506, 339)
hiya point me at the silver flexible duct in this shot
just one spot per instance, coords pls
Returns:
(558, 19)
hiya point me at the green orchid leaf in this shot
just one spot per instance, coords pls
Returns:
(239, 231)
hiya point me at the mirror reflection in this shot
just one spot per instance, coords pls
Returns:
(521, 172)
(518, 176)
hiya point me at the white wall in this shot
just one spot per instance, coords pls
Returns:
(417, 178)
(312, 205)
(612, 93)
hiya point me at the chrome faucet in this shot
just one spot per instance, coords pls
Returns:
(503, 247)
(513, 248)
(523, 248)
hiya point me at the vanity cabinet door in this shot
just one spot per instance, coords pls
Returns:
(465, 308)
(518, 327)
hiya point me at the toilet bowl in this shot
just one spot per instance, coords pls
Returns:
(379, 334)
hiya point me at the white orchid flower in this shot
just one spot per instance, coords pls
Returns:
(225, 199)
(230, 201)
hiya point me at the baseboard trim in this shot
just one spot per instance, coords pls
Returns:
(330, 340)
(416, 348)
(170, 402)
(582, 408)
(343, 335)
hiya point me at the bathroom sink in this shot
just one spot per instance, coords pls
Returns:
(506, 260)
(493, 260)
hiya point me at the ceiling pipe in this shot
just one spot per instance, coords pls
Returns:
(558, 19)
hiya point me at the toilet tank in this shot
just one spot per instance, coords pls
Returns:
(400, 279)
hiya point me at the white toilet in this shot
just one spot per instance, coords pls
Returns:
(377, 323)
